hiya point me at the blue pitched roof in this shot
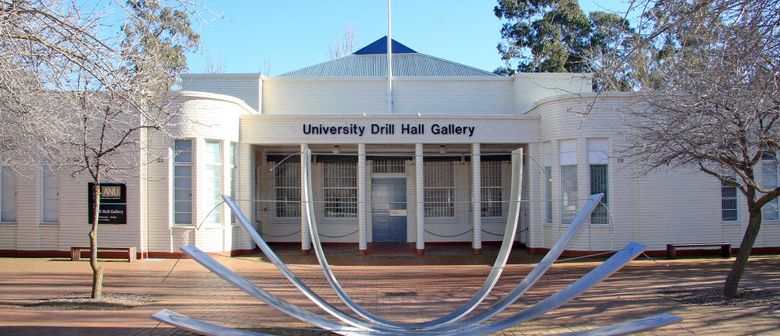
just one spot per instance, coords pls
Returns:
(371, 61)
(380, 47)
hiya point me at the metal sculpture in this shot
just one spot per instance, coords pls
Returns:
(367, 323)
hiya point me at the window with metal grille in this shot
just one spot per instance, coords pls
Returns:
(7, 195)
(598, 184)
(492, 203)
(213, 186)
(182, 182)
(287, 188)
(728, 201)
(439, 189)
(340, 189)
(598, 157)
(769, 177)
(388, 167)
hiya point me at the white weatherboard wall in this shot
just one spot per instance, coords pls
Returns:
(530, 88)
(72, 226)
(453, 96)
(210, 117)
(324, 96)
(679, 206)
(247, 87)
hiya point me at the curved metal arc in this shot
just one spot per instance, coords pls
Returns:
(294, 279)
(199, 326)
(269, 299)
(544, 265)
(477, 298)
(598, 274)
(514, 295)
(315, 237)
(630, 327)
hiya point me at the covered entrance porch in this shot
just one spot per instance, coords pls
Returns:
(368, 194)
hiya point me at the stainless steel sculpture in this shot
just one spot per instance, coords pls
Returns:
(367, 323)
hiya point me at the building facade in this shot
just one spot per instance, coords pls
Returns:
(431, 165)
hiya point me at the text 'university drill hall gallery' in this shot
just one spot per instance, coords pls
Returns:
(430, 165)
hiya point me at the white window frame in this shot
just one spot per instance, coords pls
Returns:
(548, 192)
(233, 166)
(5, 176)
(548, 199)
(213, 181)
(49, 186)
(569, 198)
(186, 164)
(770, 179)
(725, 185)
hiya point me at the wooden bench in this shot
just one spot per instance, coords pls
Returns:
(75, 252)
(725, 248)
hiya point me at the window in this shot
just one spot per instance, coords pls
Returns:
(7, 195)
(548, 199)
(49, 191)
(287, 188)
(439, 189)
(728, 201)
(548, 194)
(598, 156)
(233, 169)
(213, 184)
(769, 174)
(182, 182)
(492, 204)
(340, 189)
(568, 152)
(233, 175)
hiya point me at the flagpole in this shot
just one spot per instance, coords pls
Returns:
(389, 57)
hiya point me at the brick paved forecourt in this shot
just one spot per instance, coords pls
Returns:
(422, 290)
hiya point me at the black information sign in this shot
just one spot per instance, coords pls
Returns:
(113, 203)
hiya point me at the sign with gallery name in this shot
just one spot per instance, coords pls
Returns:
(390, 129)
(113, 203)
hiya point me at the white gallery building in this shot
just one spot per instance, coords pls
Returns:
(430, 165)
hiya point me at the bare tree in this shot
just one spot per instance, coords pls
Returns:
(346, 45)
(80, 89)
(215, 64)
(709, 97)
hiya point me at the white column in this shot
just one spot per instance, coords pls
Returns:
(305, 237)
(476, 199)
(361, 184)
(420, 197)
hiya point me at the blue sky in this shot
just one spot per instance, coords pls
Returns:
(280, 36)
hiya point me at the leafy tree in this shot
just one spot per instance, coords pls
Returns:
(557, 36)
(555, 32)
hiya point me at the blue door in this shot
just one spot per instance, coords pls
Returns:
(388, 208)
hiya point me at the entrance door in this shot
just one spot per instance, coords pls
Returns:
(388, 208)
